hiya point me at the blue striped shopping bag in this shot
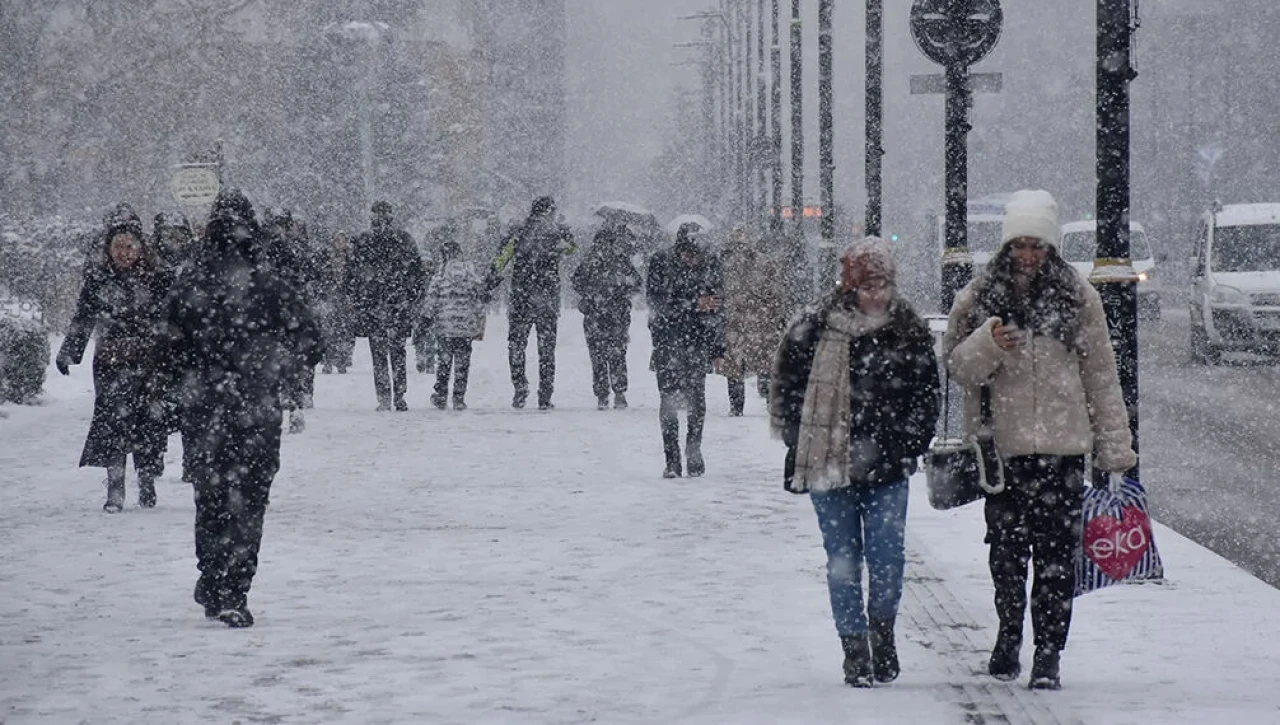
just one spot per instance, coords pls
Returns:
(1117, 544)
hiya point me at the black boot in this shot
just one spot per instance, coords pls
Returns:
(1004, 664)
(857, 660)
(693, 457)
(115, 491)
(671, 447)
(884, 651)
(1044, 670)
(146, 492)
(205, 597)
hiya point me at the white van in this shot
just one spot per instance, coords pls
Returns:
(1079, 247)
(1235, 281)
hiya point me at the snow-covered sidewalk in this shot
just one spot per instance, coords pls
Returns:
(500, 566)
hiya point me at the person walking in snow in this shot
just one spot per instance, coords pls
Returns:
(385, 284)
(335, 308)
(236, 326)
(684, 289)
(534, 251)
(288, 249)
(455, 305)
(1032, 330)
(176, 252)
(605, 282)
(120, 297)
(855, 398)
(755, 313)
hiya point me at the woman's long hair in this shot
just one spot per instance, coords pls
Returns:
(1050, 307)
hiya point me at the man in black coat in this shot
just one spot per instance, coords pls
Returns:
(534, 251)
(684, 288)
(385, 283)
(605, 282)
(234, 326)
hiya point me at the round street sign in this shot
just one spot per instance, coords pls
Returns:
(956, 32)
(194, 185)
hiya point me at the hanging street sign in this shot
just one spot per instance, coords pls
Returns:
(195, 184)
(956, 32)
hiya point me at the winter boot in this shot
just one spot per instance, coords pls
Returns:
(693, 459)
(205, 599)
(327, 369)
(115, 494)
(884, 651)
(620, 401)
(401, 406)
(1004, 664)
(1044, 670)
(602, 403)
(459, 404)
(297, 421)
(147, 492)
(518, 400)
(857, 660)
(438, 401)
(236, 618)
(671, 449)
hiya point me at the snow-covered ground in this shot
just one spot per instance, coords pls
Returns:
(500, 566)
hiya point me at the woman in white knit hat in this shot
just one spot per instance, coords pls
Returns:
(1032, 329)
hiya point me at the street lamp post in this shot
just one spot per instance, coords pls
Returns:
(1113, 272)
(801, 286)
(826, 144)
(875, 114)
(775, 103)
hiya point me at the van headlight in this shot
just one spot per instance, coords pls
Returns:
(1143, 277)
(1223, 296)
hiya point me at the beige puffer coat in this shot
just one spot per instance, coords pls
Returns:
(1045, 397)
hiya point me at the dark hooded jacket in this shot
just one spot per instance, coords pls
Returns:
(535, 250)
(685, 339)
(606, 281)
(235, 329)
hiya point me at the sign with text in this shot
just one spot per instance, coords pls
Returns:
(195, 185)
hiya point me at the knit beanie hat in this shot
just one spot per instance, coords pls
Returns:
(1031, 213)
(867, 259)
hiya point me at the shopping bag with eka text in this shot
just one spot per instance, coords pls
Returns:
(1117, 545)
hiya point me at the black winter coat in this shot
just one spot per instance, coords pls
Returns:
(605, 282)
(385, 283)
(894, 388)
(685, 340)
(124, 308)
(236, 328)
(535, 251)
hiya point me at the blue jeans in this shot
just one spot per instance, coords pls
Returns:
(863, 523)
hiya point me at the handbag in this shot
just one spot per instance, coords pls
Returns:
(960, 471)
(1116, 541)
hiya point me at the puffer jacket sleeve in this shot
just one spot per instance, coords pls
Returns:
(1113, 440)
(790, 380)
(972, 357)
(920, 419)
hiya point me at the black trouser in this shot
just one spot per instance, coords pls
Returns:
(676, 392)
(231, 492)
(1037, 519)
(607, 347)
(738, 389)
(523, 320)
(388, 357)
(454, 354)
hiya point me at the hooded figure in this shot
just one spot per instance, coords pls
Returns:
(855, 399)
(235, 327)
(684, 289)
(605, 282)
(1032, 330)
(120, 298)
(385, 283)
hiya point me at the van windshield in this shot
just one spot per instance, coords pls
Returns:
(1246, 249)
(984, 236)
(1083, 246)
